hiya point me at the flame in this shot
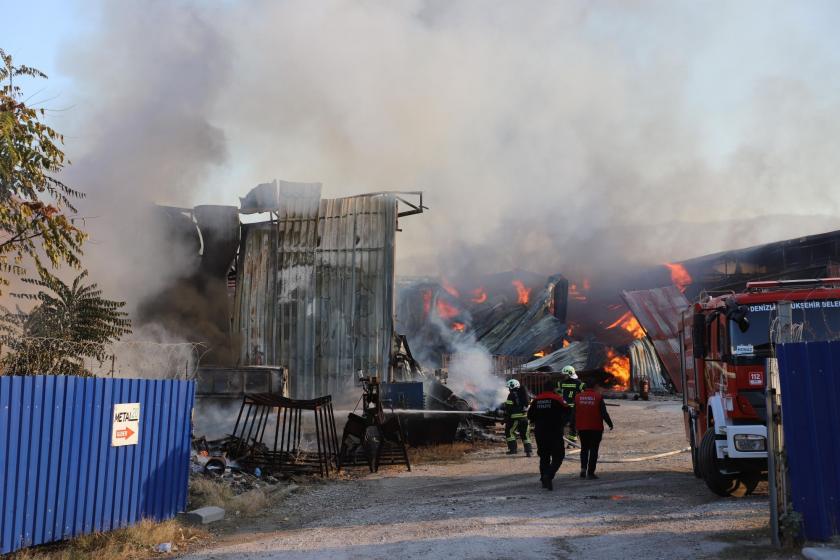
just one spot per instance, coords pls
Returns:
(446, 310)
(450, 289)
(539, 354)
(523, 294)
(576, 294)
(427, 302)
(679, 275)
(479, 295)
(566, 343)
(619, 367)
(629, 323)
(458, 327)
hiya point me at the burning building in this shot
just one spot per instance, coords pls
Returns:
(310, 288)
(315, 284)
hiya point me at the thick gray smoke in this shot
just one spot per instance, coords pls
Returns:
(546, 135)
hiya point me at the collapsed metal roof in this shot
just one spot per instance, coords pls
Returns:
(315, 285)
(585, 355)
(658, 311)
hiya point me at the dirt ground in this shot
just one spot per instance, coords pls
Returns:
(492, 506)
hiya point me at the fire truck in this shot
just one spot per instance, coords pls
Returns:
(725, 343)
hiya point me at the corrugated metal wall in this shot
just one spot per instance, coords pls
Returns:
(59, 475)
(328, 266)
(809, 373)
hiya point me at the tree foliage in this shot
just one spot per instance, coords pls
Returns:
(71, 323)
(35, 207)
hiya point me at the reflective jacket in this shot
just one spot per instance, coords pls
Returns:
(591, 411)
(515, 405)
(569, 388)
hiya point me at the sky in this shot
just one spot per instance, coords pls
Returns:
(527, 124)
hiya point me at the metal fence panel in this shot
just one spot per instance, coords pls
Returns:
(809, 374)
(59, 475)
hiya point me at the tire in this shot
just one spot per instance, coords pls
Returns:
(721, 484)
(695, 459)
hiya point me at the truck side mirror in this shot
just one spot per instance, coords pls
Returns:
(737, 314)
(698, 334)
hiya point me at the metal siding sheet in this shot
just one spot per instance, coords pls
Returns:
(658, 312)
(810, 389)
(329, 309)
(59, 475)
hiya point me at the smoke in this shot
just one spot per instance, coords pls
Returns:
(470, 368)
(552, 136)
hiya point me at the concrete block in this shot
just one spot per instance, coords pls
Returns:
(205, 515)
(821, 553)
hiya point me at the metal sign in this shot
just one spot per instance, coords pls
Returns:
(126, 425)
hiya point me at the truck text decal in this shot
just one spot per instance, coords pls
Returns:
(820, 304)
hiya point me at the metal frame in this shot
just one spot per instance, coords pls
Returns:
(285, 453)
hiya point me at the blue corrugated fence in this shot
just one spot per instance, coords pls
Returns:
(59, 475)
(809, 373)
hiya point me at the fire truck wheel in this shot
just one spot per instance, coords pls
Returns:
(695, 459)
(720, 484)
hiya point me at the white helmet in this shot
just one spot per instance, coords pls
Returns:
(570, 371)
(513, 384)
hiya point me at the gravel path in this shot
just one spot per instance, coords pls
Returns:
(492, 506)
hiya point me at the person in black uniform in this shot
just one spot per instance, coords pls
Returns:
(516, 420)
(569, 388)
(548, 414)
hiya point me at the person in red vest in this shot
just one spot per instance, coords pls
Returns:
(590, 415)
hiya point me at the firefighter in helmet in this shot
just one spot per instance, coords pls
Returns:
(515, 409)
(568, 388)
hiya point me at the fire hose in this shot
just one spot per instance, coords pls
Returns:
(630, 459)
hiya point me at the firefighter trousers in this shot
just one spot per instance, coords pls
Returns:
(520, 426)
(570, 421)
(590, 441)
(551, 451)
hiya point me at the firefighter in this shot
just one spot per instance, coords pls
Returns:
(568, 388)
(547, 414)
(591, 412)
(516, 419)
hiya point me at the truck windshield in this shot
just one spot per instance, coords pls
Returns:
(818, 320)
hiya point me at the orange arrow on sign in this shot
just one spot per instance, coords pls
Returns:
(125, 434)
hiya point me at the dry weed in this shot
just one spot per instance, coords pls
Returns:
(209, 492)
(443, 453)
(130, 543)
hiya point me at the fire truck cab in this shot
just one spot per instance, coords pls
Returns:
(725, 341)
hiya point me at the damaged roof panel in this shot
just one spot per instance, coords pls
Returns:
(658, 311)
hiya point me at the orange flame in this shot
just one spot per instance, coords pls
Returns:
(566, 343)
(576, 294)
(679, 275)
(427, 302)
(629, 323)
(523, 294)
(479, 295)
(539, 354)
(446, 310)
(450, 289)
(619, 367)
(458, 327)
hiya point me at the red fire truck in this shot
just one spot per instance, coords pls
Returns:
(725, 341)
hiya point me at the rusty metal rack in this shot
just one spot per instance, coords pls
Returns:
(285, 453)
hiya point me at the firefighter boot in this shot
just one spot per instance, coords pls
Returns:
(511, 448)
(528, 449)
